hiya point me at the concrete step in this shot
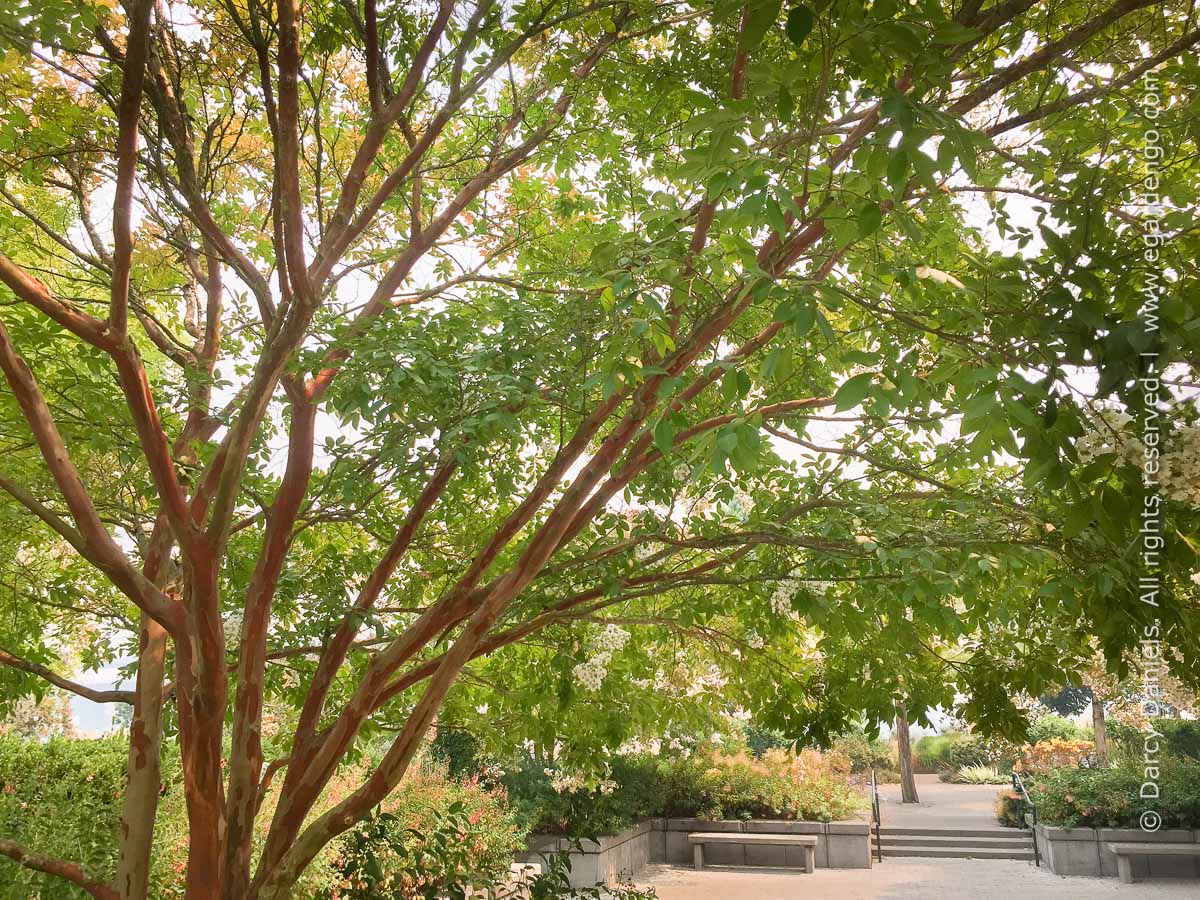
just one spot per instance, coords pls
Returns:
(920, 840)
(957, 853)
(918, 831)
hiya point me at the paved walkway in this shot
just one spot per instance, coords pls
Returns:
(904, 879)
(910, 878)
(942, 805)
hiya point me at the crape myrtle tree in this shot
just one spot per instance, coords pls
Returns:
(363, 352)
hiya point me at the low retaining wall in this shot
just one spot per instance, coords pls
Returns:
(608, 859)
(1084, 851)
(840, 845)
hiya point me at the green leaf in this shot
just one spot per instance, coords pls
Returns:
(853, 392)
(762, 16)
(1079, 517)
(870, 217)
(800, 20)
(664, 435)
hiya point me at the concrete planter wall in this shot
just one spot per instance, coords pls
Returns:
(606, 860)
(1084, 851)
(840, 845)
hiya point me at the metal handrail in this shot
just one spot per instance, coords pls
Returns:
(875, 814)
(1027, 802)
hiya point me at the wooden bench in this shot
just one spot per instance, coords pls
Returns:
(1125, 851)
(808, 841)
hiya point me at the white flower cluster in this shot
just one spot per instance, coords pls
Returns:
(808, 647)
(613, 638)
(233, 626)
(710, 682)
(636, 746)
(781, 600)
(592, 671)
(562, 783)
(1179, 474)
(755, 640)
(1107, 432)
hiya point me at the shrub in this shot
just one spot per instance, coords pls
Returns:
(433, 837)
(808, 785)
(1048, 727)
(1109, 798)
(951, 750)
(1055, 754)
(779, 784)
(864, 754)
(61, 798)
(1181, 737)
(548, 802)
(458, 749)
(760, 740)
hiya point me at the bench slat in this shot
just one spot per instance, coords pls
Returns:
(735, 837)
(1132, 848)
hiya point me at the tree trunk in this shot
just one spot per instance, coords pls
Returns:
(908, 783)
(144, 767)
(1100, 729)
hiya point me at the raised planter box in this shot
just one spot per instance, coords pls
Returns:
(840, 845)
(1084, 851)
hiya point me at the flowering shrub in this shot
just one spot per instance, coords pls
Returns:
(714, 785)
(778, 785)
(433, 837)
(550, 801)
(1109, 798)
(1055, 753)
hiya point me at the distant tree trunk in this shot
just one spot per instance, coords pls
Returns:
(908, 783)
(1100, 729)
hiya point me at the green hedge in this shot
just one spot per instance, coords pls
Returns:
(61, 798)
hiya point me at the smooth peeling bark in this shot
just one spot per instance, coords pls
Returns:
(201, 680)
(144, 765)
(246, 757)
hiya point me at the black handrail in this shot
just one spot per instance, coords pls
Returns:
(1027, 804)
(876, 816)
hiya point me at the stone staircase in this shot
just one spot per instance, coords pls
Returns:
(954, 843)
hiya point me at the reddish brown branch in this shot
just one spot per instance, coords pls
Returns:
(137, 47)
(66, 684)
(96, 544)
(60, 869)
